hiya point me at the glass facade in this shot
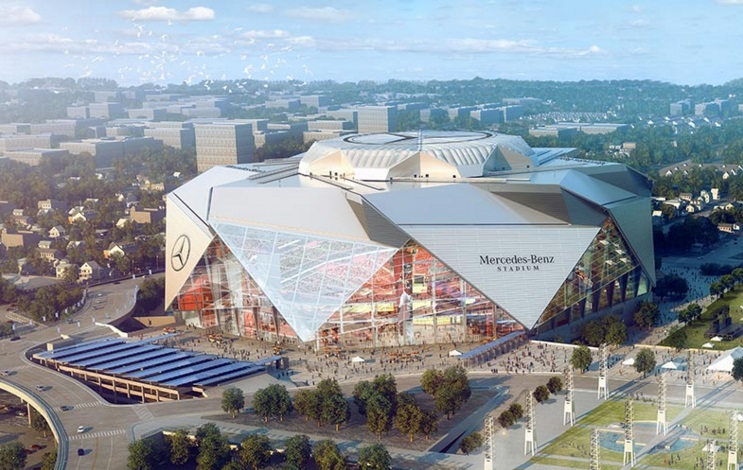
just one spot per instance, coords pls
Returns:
(275, 285)
(607, 274)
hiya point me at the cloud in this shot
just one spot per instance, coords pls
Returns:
(169, 14)
(14, 15)
(329, 14)
(260, 8)
(266, 34)
(730, 2)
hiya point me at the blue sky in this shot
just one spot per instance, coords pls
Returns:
(171, 41)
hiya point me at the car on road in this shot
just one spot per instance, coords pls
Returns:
(81, 451)
(40, 388)
(15, 338)
(65, 407)
(81, 429)
(5, 373)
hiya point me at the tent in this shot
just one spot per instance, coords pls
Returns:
(724, 363)
(357, 360)
(629, 362)
(454, 353)
(669, 365)
(716, 339)
(708, 345)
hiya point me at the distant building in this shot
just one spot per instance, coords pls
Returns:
(90, 271)
(80, 214)
(179, 135)
(224, 143)
(62, 267)
(22, 238)
(22, 142)
(146, 215)
(107, 110)
(119, 249)
(433, 113)
(315, 101)
(289, 104)
(681, 108)
(49, 254)
(373, 119)
(150, 114)
(34, 156)
(57, 232)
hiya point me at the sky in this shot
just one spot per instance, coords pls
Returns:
(686, 42)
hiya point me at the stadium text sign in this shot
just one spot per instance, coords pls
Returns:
(516, 263)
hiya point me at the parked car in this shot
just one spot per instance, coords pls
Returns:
(80, 451)
(81, 429)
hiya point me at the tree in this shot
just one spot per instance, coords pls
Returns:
(554, 385)
(738, 369)
(541, 393)
(645, 362)
(272, 401)
(375, 457)
(49, 461)
(506, 419)
(308, 404)
(379, 414)
(517, 410)
(328, 457)
(13, 456)
(431, 381)
(180, 447)
(298, 451)
(361, 393)
(646, 315)
(581, 358)
(255, 451)
(409, 416)
(616, 333)
(233, 401)
(429, 424)
(676, 338)
(144, 454)
(453, 392)
(470, 442)
(206, 431)
(335, 410)
(214, 452)
(39, 424)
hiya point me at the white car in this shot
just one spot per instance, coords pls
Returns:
(40, 388)
(81, 429)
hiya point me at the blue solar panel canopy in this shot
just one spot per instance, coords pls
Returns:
(188, 371)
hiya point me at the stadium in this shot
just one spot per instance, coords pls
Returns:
(409, 238)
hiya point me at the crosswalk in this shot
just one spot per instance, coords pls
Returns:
(143, 413)
(90, 404)
(94, 435)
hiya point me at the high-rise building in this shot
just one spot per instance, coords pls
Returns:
(374, 119)
(223, 143)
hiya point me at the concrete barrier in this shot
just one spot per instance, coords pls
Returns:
(63, 443)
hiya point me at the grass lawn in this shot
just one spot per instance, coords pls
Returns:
(613, 412)
(688, 458)
(564, 463)
(713, 420)
(695, 331)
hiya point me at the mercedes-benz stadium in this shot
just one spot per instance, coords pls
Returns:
(409, 238)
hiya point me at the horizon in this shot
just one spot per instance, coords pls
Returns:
(142, 41)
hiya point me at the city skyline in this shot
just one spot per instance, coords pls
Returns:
(144, 41)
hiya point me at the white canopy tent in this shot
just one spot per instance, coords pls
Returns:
(708, 345)
(629, 362)
(669, 365)
(724, 363)
(454, 353)
(716, 339)
(358, 360)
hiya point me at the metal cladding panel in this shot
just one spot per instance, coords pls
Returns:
(324, 212)
(377, 227)
(453, 204)
(186, 240)
(195, 193)
(622, 177)
(634, 221)
(306, 277)
(592, 189)
(518, 268)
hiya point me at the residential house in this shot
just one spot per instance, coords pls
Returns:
(51, 205)
(80, 214)
(20, 218)
(57, 232)
(119, 249)
(22, 238)
(49, 254)
(90, 271)
(147, 215)
(728, 228)
(62, 267)
(46, 244)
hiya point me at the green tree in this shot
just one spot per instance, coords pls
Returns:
(375, 457)
(379, 414)
(255, 451)
(409, 416)
(49, 461)
(309, 405)
(272, 401)
(361, 393)
(470, 442)
(429, 424)
(506, 419)
(207, 430)
(327, 456)
(554, 385)
(335, 410)
(180, 447)
(233, 401)
(298, 451)
(214, 452)
(13, 456)
(738, 369)
(144, 454)
(431, 381)
(581, 358)
(616, 333)
(541, 393)
(676, 338)
(517, 410)
(645, 362)
(39, 424)
(647, 315)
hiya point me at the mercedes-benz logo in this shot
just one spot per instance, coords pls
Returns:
(179, 255)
